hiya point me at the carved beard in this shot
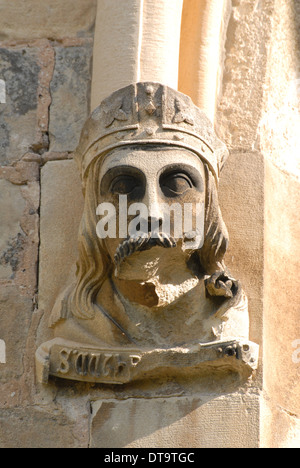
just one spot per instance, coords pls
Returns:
(142, 243)
(154, 268)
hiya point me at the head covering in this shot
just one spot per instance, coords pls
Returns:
(149, 113)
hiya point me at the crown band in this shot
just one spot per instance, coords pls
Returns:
(149, 113)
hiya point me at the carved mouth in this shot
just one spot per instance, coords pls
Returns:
(142, 243)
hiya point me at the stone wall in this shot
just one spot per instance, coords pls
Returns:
(45, 65)
(258, 117)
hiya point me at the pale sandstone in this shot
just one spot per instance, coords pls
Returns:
(241, 186)
(48, 19)
(61, 210)
(280, 119)
(138, 42)
(280, 428)
(281, 318)
(203, 35)
(259, 110)
(188, 422)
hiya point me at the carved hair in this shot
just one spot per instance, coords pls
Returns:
(215, 232)
(95, 266)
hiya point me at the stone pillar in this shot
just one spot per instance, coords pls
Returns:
(280, 142)
(135, 41)
(202, 45)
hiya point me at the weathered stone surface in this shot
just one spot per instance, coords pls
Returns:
(70, 90)
(280, 118)
(61, 211)
(52, 19)
(258, 117)
(19, 68)
(241, 185)
(281, 428)
(225, 422)
(33, 427)
(19, 241)
(12, 206)
(16, 310)
(242, 94)
(282, 298)
(19, 228)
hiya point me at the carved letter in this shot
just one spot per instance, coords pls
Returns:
(64, 364)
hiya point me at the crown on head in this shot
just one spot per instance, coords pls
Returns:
(149, 113)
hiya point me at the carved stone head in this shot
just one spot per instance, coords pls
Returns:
(153, 145)
(150, 273)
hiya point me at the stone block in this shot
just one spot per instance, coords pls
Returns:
(12, 206)
(16, 311)
(19, 241)
(187, 422)
(32, 427)
(245, 62)
(19, 69)
(61, 211)
(282, 292)
(54, 19)
(281, 428)
(19, 228)
(241, 196)
(70, 89)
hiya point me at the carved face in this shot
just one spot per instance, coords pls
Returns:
(154, 176)
(158, 195)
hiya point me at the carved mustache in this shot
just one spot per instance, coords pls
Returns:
(142, 243)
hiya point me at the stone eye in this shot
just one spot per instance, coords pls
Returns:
(124, 185)
(175, 184)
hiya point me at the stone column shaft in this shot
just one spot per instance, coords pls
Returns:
(136, 40)
(201, 51)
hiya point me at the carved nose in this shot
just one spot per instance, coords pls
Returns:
(152, 201)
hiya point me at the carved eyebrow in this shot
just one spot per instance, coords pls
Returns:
(181, 166)
(124, 169)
